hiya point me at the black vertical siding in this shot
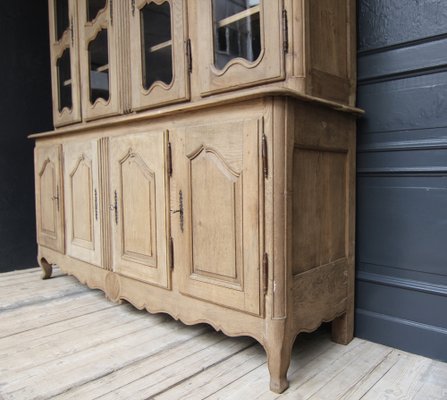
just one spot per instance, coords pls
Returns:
(25, 107)
(402, 175)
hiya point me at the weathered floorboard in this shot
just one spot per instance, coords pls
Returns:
(61, 340)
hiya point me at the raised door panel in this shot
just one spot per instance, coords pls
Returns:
(217, 232)
(158, 53)
(64, 62)
(99, 58)
(239, 44)
(139, 199)
(82, 201)
(49, 198)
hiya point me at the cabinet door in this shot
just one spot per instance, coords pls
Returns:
(49, 197)
(64, 62)
(239, 43)
(158, 53)
(82, 201)
(217, 233)
(99, 58)
(139, 199)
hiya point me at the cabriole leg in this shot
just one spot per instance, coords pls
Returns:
(47, 268)
(279, 351)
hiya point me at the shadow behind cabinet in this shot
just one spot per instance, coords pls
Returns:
(229, 197)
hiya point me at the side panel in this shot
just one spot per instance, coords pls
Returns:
(139, 211)
(49, 197)
(323, 219)
(331, 40)
(217, 171)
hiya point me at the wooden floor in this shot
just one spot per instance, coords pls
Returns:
(61, 340)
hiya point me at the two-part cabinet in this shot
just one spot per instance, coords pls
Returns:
(203, 162)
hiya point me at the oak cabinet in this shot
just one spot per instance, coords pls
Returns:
(217, 168)
(49, 197)
(140, 206)
(221, 186)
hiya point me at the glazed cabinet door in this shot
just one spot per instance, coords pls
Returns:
(239, 43)
(158, 52)
(217, 232)
(139, 206)
(64, 62)
(49, 197)
(82, 201)
(99, 58)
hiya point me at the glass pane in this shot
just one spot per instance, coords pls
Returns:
(64, 80)
(61, 16)
(94, 7)
(156, 44)
(98, 51)
(237, 30)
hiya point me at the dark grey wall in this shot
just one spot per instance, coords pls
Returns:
(25, 107)
(402, 175)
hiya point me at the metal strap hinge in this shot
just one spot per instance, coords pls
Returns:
(265, 272)
(189, 55)
(171, 253)
(285, 31)
(169, 159)
(265, 165)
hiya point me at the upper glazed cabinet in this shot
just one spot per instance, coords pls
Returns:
(64, 62)
(159, 46)
(120, 56)
(100, 58)
(242, 45)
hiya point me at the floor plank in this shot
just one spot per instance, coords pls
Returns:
(61, 340)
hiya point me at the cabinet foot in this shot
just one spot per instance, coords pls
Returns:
(47, 268)
(279, 353)
(343, 328)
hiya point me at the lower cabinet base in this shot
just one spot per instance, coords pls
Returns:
(277, 336)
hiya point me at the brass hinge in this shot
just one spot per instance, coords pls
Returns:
(265, 272)
(189, 55)
(169, 159)
(171, 254)
(265, 164)
(285, 31)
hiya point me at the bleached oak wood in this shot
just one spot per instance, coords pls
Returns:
(82, 201)
(49, 200)
(139, 206)
(236, 209)
(229, 210)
